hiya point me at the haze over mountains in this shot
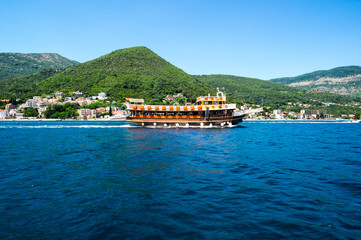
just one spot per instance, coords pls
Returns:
(20, 64)
(138, 72)
(340, 80)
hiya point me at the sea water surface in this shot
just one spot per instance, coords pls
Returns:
(110, 180)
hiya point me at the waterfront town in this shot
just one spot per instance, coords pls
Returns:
(87, 109)
(84, 112)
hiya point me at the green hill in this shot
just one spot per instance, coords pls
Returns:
(341, 80)
(132, 72)
(19, 64)
(26, 86)
(253, 90)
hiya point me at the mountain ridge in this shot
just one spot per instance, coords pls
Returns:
(344, 80)
(257, 91)
(21, 64)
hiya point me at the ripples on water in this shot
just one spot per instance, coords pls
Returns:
(98, 180)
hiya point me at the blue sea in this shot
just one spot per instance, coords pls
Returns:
(110, 180)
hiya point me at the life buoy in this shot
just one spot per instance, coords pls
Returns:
(213, 107)
(219, 106)
(226, 106)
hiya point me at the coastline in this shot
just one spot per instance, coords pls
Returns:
(123, 120)
(60, 120)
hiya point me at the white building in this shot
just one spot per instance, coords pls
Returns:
(59, 94)
(102, 96)
(31, 103)
(41, 104)
(278, 114)
(78, 94)
(12, 112)
(3, 114)
(41, 110)
(19, 115)
(277, 111)
(37, 98)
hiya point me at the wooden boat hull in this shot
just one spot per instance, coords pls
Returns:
(182, 122)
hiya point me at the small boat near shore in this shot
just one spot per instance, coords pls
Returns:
(208, 111)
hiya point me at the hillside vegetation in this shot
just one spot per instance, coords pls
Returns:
(341, 80)
(26, 86)
(19, 64)
(253, 90)
(133, 72)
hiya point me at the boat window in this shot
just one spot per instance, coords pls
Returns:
(194, 113)
(215, 103)
(171, 114)
(160, 113)
(207, 103)
(183, 113)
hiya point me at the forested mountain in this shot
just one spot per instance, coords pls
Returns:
(26, 86)
(341, 80)
(20, 64)
(255, 91)
(132, 72)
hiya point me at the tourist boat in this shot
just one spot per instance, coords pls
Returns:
(209, 111)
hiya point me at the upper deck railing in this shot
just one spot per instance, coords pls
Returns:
(180, 108)
(211, 98)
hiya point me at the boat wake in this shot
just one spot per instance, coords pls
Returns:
(68, 126)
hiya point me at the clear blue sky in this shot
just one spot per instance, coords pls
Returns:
(262, 39)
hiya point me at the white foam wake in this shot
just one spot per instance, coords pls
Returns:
(68, 126)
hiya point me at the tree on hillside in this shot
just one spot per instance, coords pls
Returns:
(31, 112)
(68, 110)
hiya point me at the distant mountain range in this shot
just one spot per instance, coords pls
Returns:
(341, 80)
(20, 64)
(138, 72)
(256, 91)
